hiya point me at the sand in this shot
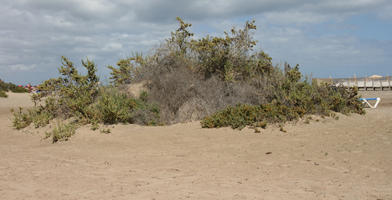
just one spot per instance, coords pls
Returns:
(349, 158)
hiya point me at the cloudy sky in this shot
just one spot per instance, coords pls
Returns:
(335, 38)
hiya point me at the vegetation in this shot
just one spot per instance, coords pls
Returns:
(3, 94)
(5, 87)
(126, 69)
(221, 80)
(62, 132)
(243, 115)
(79, 99)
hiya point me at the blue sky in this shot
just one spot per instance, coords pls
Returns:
(327, 38)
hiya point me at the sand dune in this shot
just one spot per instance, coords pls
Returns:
(349, 158)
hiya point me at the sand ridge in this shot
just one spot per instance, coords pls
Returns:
(349, 158)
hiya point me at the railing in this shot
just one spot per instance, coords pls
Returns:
(366, 84)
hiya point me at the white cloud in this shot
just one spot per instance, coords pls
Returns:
(295, 17)
(22, 67)
(35, 33)
(113, 46)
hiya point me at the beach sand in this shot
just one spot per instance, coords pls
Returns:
(349, 158)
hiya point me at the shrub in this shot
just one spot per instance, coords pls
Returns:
(11, 87)
(3, 94)
(62, 132)
(126, 70)
(17, 89)
(294, 100)
(79, 97)
(41, 118)
(243, 115)
(21, 119)
(190, 79)
(113, 106)
(220, 79)
(72, 93)
(68, 96)
(231, 57)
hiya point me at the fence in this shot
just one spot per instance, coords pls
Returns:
(382, 84)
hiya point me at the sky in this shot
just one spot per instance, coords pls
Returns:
(327, 38)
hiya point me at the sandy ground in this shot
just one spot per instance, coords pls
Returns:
(349, 158)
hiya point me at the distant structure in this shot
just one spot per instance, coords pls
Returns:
(374, 82)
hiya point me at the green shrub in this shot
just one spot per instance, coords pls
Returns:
(68, 96)
(11, 87)
(126, 70)
(114, 107)
(231, 57)
(3, 94)
(38, 116)
(79, 97)
(62, 132)
(41, 118)
(242, 115)
(301, 99)
(18, 89)
(72, 93)
(21, 119)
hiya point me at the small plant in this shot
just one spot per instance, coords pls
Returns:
(105, 130)
(62, 132)
(3, 94)
(282, 129)
(40, 115)
(21, 119)
(261, 124)
(94, 126)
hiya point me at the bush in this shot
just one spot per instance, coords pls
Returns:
(21, 119)
(18, 89)
(221, 80)
(79, 98)
(62, 132)
(71, 94)
(11, 87)
(68, 96)
(126, 70)
(39, 116)
(242, 115)
(3, 94)
(190, 79)
(292, 100)
(113, 106)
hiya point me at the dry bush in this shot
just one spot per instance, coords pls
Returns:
(183, 95)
